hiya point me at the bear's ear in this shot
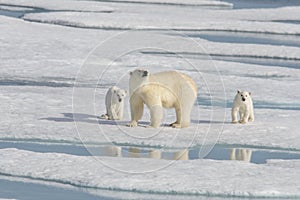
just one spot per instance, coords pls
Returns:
(115, 91)
(249, 93)
(130, 73)
(238, 91)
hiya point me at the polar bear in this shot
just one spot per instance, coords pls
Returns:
(169, 89)
(244, 105)
(114, 102)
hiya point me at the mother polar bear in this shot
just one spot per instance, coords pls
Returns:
(169, 89)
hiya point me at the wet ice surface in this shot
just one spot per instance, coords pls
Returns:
(257, 46)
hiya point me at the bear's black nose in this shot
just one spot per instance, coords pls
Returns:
(145, 73)
(120, 100)
(243, 99)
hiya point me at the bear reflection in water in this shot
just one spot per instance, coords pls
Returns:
(134, 152)
(183, 154)
(241, 154)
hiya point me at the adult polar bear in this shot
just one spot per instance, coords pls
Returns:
(169, 89)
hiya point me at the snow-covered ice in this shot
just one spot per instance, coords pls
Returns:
(197, 177)
(54, 60)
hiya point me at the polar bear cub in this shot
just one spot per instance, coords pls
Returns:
(168, 89)
(244, 106)
(114, 102)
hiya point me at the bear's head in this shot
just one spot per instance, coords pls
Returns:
(243, 96)
(119, 94)
(138, 78)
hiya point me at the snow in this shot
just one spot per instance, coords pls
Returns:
(178, 2)
(257, 21)
(81, 5)
(51, 75)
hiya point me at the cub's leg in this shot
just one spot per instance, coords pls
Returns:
(234, 112)
(251, 117)
(244, 117)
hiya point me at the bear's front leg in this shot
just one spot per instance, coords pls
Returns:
(119, 112)
(244, 117)
(234, 112)
(114, 112)
(251, 116)
(136, 108)
(156, 114)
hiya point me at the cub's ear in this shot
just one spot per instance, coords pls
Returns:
(238, 91)
(130, 73)
(249, 93)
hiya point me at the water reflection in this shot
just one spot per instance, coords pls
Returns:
(219, 152)
(113, 151)
(156, 154)
(240, 154)
(184, 154)
(134, 152)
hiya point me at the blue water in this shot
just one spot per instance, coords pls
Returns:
(15, 14)
(247, 4)
(248, 38)
(219, 152)
(33, 191)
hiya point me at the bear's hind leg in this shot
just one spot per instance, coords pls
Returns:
(176, 124)
(184, 114)
(104, 116)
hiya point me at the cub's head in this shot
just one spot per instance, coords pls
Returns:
(119, 94)
(243, 96)
(138, 77)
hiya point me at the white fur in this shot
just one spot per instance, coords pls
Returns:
(168, 89)
(114, 102)
(244, 106)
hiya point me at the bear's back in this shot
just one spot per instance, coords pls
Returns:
(173, 79)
